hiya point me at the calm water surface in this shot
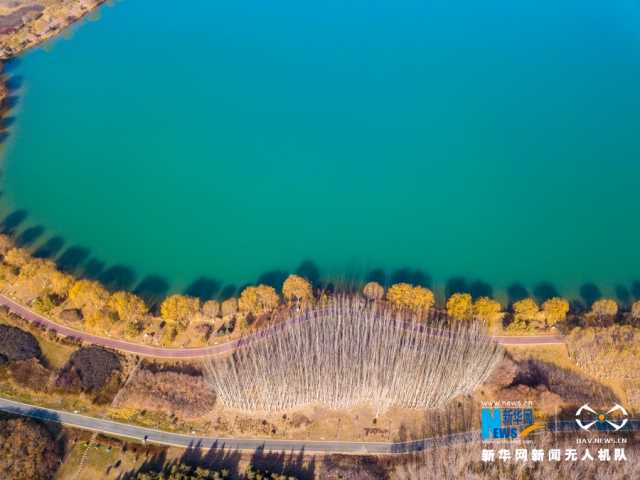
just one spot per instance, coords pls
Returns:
(484, 144)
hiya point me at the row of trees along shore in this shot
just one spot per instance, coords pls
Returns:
(38, 282)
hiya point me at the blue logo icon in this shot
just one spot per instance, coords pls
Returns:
(506, 423)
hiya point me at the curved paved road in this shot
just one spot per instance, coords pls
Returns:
(196, 352)
(110, 427)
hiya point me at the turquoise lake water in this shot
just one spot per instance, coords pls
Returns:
(491, 146)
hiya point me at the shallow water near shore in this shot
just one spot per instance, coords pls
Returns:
(485, 147)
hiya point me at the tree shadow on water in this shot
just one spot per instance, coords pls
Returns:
(93, 268)
(227, 292)
(12, 83)
(118, 277)
(50, 249)
(204, 288)
(623, 295)
(7, 122)
(476, 288)
(274, 278)
(309, 270)
(72, 258)
(11, 222)
(516, 292)
(10, 102)
(29, 236)
(12, 64)
(455, 285)
(412, 276)
(377, 275)
(589, 292)
(152, 288)
(544, 291)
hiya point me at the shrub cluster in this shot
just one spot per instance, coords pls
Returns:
(177, 389)
(16, 344)
(30, 374)
(88, 369)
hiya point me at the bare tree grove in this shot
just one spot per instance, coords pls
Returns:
(353, 352)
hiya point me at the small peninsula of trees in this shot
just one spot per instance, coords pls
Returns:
(350, 352)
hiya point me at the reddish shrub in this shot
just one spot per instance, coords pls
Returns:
(16, 344)
(179, 389)
(88, 369)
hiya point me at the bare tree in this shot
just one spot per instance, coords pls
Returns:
(351, 352)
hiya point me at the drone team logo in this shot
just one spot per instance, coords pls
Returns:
(601, 418)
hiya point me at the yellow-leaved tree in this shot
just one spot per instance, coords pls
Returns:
(6, 243)
(34, 279)
(423, 299)
(526, 309)
(297, 289)
(229, 307)
(17, 257)
(555, 310)
(373, 291)
(414, 298)
(178, 310)
(128, 306)
(604, 310)
(488, 310)
(258, 300)
(460, 306)
(88, 295)
(605, 306)
(100, 321)
(211, 309)
(60, 283)
(485, 308)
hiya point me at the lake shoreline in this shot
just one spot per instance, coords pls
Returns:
(33, 25)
